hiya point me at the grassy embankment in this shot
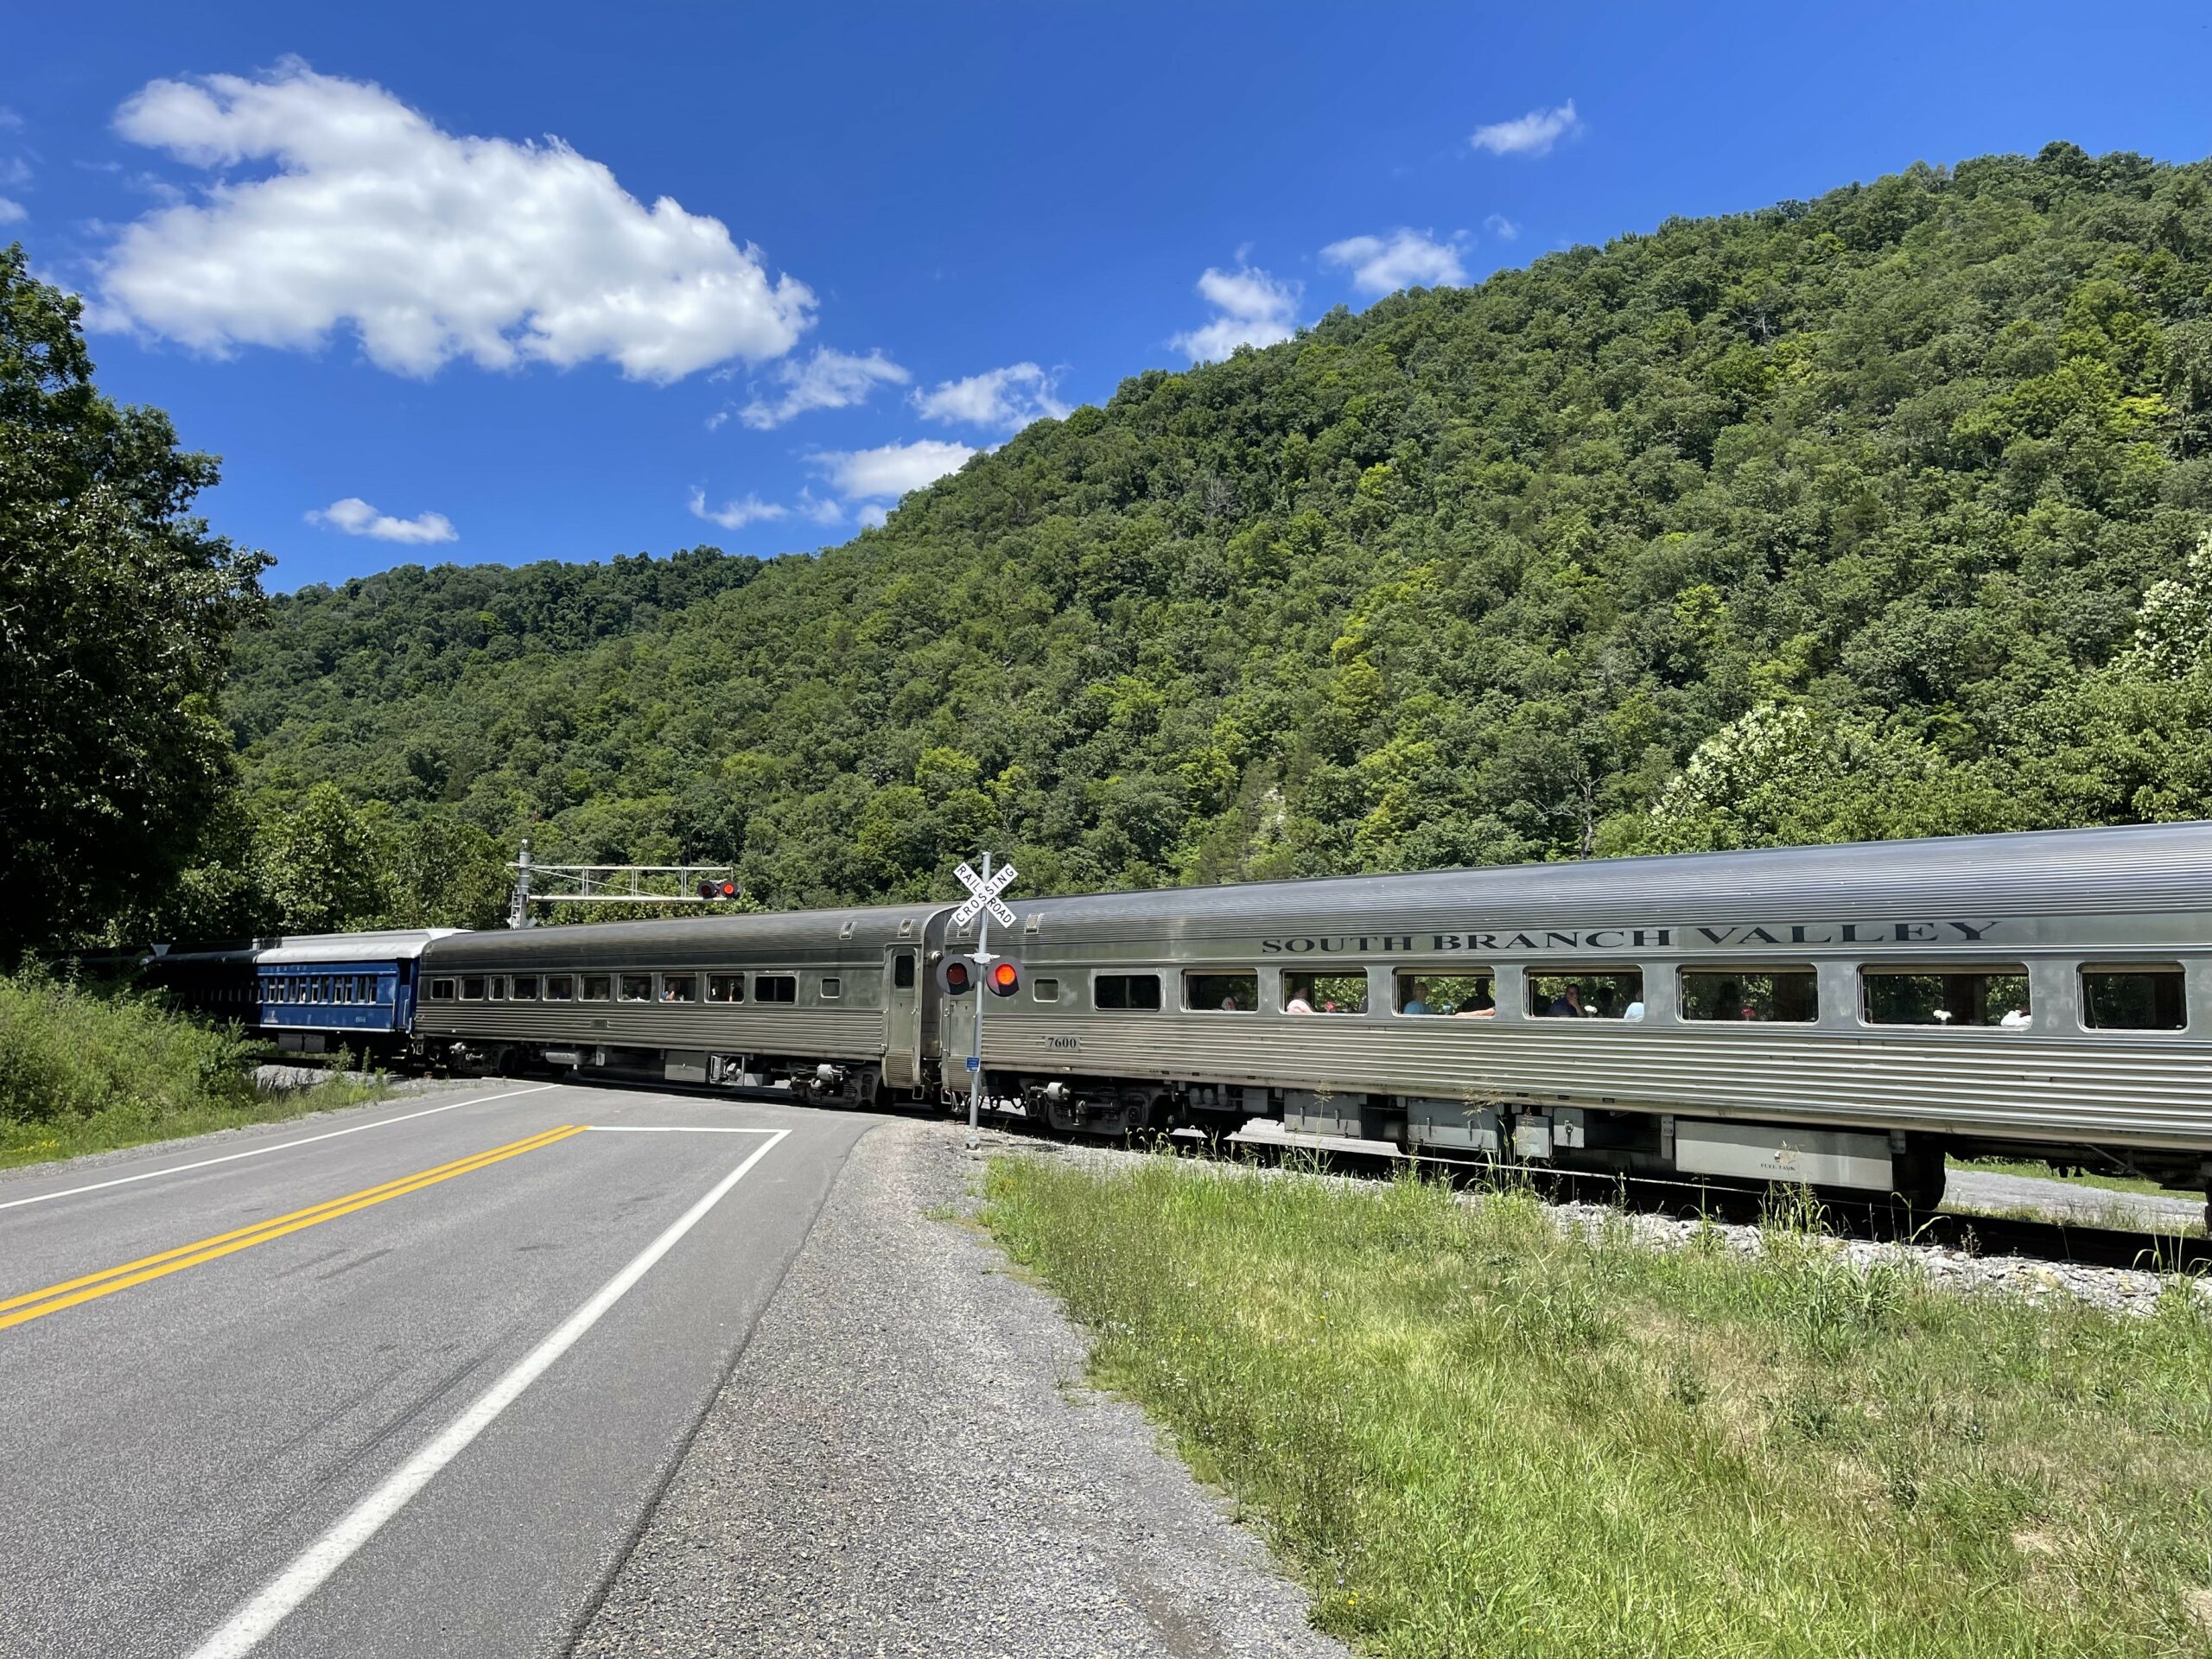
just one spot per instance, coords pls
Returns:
(1470, 1434)
(85, 1070)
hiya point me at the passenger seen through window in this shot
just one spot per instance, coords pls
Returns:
(1786, 995)
(1470, 995)
(1324, 992)
(1901, 997)
(1615, 995)
(1222, 993)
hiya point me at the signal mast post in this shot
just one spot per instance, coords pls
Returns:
(975, 1078)
(983, 901)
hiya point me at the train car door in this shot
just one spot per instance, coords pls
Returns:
(902, 1035)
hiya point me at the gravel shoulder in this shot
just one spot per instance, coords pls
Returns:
(2101, 1206)
(905, 1461)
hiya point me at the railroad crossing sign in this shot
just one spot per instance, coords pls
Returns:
(985, 891)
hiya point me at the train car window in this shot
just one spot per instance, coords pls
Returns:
(775, 987)
(1615, 994)
(560, 988)
(1135, 992)
(1222, 993)
(1324, 992)
(902, 971)
(1781, 996)
(636, 988)
(1045, 990)
(2133, 999)
(1469, 996)
(526, 987)
(1979, 997)
(679, 987)
(599, 987)
(725, 987)
(442, 990)
(496, 988)
(832, 988)
(471, 988)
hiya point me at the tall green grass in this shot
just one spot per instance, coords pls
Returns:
(83, 1069)
(1472, 1434)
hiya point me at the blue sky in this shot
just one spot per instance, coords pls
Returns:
(343, 247)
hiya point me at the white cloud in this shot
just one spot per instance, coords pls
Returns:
(873, 518)
(1008, 398)
(1383, 264)
(829, 380)
(431, 245)
(1255, 310)
(10, 211)
(357, 517)
(819, 508)
(9, 121)
(890, 471)
(1501, 227)
(734, 515)
(1533, 134)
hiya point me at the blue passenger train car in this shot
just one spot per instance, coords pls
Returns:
(345, 991)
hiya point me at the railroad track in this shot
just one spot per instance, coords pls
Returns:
(1966, 1233)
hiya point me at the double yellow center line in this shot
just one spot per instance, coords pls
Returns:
(37, 1304)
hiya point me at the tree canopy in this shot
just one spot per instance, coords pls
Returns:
(117, 608)
(1850, 507)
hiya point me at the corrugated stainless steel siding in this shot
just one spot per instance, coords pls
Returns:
(810, 938)
(2001, 1083)
(2127, 870)
(746, 1028)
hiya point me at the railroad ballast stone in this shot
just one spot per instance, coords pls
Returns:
(2125, 1290)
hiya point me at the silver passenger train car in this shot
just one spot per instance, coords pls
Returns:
(1837, 1015)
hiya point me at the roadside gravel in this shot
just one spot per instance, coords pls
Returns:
(905, 1462)
(2099, 1207)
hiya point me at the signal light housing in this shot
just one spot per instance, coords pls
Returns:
(712, 891)
(1004, 979)
(956, 975)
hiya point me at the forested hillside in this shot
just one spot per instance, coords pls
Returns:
(1862, 495)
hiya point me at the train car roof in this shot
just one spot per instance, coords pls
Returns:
(2051, 871)
(693, 941)
(391, 944)
(385, 944)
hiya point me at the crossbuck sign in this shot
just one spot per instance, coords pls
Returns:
(984, 891)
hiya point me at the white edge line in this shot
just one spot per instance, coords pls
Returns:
(258, 1617)
(675, 1128)
(281, 1146)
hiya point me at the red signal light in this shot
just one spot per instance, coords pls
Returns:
(727, 889)
(955, 976)
(1005, 980)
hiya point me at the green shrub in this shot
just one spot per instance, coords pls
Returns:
(83, 1068)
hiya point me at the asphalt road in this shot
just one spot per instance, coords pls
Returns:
(427, 1417)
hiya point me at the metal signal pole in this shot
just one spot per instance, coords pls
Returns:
(982, 901)
(983, 960)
